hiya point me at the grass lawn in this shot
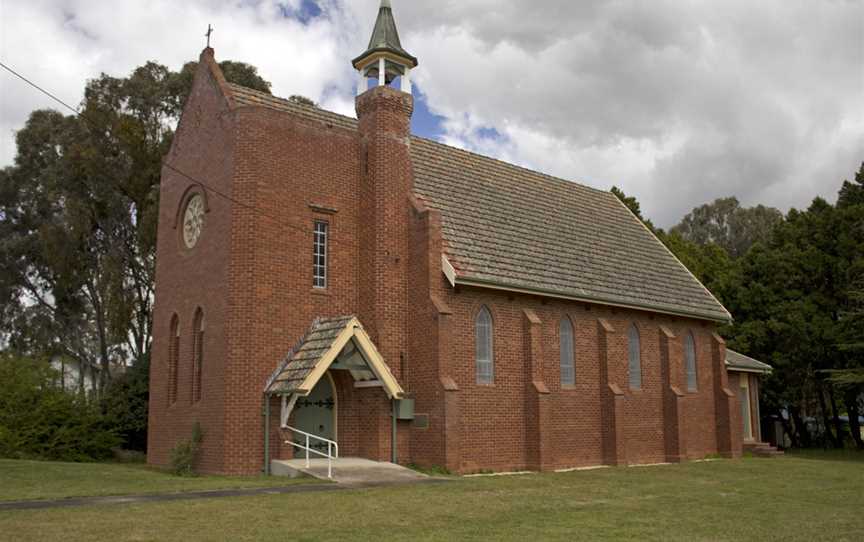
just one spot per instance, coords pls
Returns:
(810, 497)
(24, 480)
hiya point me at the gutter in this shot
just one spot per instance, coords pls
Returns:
(494, 285)
(748, 370)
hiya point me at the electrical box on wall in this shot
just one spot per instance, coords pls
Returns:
(404, 409)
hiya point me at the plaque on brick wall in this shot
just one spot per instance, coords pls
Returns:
(421, 421)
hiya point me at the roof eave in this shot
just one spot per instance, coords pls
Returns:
(740, 369)
(494, 285)
(409, 59)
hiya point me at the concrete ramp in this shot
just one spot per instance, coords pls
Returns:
(347, 470)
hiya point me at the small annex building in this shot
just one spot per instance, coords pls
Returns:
(744, 374)
(414, 302)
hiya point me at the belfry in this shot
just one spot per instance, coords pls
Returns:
(385, 60)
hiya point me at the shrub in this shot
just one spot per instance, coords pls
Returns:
(39, 420)
(124, 403)
(185, 453)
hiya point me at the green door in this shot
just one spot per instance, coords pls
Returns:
(316, 414)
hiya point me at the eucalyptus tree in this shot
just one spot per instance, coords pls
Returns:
(78, 217)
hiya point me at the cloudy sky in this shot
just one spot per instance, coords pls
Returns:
(677, 102)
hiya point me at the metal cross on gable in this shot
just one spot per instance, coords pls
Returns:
(209, 31)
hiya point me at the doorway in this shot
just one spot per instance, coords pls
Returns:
(316, 414)
(744, 398)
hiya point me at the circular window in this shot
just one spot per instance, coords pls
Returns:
(193, 220)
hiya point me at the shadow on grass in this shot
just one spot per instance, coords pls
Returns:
(819, 454)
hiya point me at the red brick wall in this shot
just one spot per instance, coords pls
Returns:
(190, 279)
(494, 417)
(293, 173)
(384, 191)
(425, 358)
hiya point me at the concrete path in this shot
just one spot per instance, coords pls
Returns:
(191, 495)
(350, 471)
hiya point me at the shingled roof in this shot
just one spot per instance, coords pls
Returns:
(508, 227)
(303, 358)
(739, 362)
(328, 341)
(385, 37)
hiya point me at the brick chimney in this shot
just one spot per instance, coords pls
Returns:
(386, 185)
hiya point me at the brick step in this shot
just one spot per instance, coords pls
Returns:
(769, 453)
(762, 449)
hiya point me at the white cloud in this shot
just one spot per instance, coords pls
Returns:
(676, 102)
(60, 44)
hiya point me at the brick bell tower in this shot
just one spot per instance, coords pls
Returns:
(385, 112)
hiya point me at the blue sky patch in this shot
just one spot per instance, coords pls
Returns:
(425, 123)
(487, 132)
(309, 9)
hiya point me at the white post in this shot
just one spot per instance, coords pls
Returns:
(362, 83)
(329, 461)
(382, 77)
(406, 80)
(307, 451)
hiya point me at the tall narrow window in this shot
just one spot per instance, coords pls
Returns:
(690, 362)
(634, 357)
(319, 255)
(197, 355)
(173, 356)
(485, 357)
(568, 363)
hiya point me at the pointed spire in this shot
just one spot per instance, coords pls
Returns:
(385, 38)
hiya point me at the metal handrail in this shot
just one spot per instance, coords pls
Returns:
(332, 448)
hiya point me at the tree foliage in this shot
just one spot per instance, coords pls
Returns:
(39, 420)
(125, 403)
(792, 295)
(78, 216)
(725, 223)
(302, 100)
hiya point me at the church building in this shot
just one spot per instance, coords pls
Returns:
(341, 284)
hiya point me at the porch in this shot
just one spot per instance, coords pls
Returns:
(337, 401)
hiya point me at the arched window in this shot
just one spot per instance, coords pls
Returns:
(635, 358)
(568, 363)
(173, 356)
(197, 354)
(690, 362)
(485, 356)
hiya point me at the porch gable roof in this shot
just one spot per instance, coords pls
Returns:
(319, 348)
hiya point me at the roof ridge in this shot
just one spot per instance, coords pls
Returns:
(292, 104)
(414, 137)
